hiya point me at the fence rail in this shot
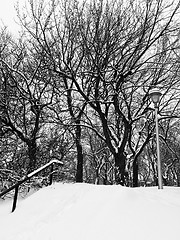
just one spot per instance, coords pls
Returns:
(29, 176)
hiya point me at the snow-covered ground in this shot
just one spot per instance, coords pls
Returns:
(93, 212)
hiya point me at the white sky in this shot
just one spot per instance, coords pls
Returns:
(8, 14)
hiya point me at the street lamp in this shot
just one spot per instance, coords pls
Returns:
(155, 96)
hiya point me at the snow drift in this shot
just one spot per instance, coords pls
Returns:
(93, 212)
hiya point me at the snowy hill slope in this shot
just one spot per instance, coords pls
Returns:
(92, 212)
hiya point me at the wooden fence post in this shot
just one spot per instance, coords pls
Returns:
(51, 174)
(15, 198)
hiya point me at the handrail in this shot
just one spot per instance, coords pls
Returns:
(30, 175)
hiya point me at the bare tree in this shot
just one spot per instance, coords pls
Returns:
(25, 93)
(113, 53)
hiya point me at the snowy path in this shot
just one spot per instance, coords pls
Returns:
(91, 212)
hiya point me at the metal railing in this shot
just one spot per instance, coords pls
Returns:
(29, 176)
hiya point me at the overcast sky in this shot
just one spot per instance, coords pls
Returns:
(8, 14)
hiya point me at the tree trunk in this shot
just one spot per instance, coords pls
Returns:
(105, 179)
(32, 149)
(178, 175)
(79, 170)
(135, 173)
(120, 173)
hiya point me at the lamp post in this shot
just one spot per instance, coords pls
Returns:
(155, 95)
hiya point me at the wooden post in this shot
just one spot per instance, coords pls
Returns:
(51, 174)
(15, 198)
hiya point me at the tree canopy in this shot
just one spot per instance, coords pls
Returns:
(83, 70)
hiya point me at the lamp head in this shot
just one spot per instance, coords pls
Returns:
(155, 95)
